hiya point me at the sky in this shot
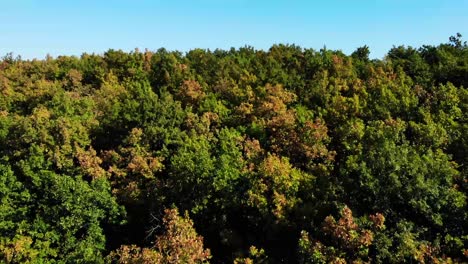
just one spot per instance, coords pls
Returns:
(35, 28)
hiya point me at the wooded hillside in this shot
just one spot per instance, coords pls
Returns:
(289, 155)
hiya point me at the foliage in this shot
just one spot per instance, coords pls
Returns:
(179, 244)
(286, 155)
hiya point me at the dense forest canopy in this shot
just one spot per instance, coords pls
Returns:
(289, 155)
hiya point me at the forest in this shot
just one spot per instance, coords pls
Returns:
(285, 155)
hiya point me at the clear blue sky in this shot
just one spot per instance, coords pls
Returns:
(34, 28)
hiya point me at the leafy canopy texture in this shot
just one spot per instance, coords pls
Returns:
(286, 155)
